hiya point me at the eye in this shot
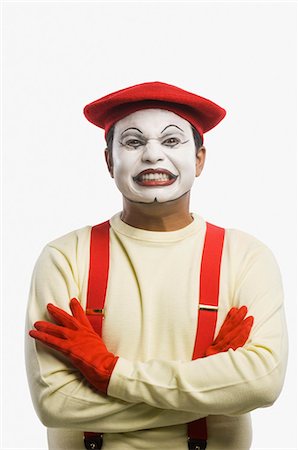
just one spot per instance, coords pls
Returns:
(171, 142)
(133, 143)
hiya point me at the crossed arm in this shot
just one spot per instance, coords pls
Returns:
(154, 393)
(74, 337)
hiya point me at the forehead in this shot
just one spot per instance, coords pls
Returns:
(152, 121)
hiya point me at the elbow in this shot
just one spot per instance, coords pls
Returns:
(45, 406)
(53, 409)
(269, 396)
(48, 414)
(264, 388)
(255, 395)
(267, 386)
(276, 380)
(266, 391)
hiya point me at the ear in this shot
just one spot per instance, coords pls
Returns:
(109, 161)
(200, 160)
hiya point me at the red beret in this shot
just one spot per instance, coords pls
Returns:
(202, 113)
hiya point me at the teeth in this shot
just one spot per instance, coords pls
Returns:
(154, 177)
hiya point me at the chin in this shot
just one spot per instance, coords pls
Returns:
(154, 200)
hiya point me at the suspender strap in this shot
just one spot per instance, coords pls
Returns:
(98, 274)
(207, 316)
(209, 289)
(96, 295)
(207, 308)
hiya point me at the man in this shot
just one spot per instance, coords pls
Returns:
(138, 384)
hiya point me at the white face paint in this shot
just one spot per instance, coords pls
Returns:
(154, 157)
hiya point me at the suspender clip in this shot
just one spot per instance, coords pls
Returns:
(208, 307)
(197, 444)
(95, 312)
(93, 441)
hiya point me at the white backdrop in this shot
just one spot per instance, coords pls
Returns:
(59, 56)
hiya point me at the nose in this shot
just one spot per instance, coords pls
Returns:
(152, 152)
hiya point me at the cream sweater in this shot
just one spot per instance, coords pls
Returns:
(150, 322)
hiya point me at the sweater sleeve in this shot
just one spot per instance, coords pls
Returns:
(230, 383)
(61, 396)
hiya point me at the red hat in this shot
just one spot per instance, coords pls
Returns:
(202, 113)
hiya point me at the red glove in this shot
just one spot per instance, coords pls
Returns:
(76, 339)
(234, 332)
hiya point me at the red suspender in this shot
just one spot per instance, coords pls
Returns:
(98, 274)
(207, 315)
(209, 289)
(96, 295)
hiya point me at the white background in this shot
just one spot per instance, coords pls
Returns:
(59, 56)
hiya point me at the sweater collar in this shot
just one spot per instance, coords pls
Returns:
(197, 225)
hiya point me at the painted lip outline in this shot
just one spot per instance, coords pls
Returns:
(171, 180)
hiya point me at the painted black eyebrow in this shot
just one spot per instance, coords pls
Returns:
(172, 125)
(131, 128)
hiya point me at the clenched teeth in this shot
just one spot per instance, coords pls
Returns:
(154, 177)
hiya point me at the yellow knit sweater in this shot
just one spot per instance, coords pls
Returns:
(150, 322)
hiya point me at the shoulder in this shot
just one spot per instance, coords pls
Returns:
(242, 249)
(247, 254)
(245, 243)
(71, 238)
(235, 240)
(67, 249)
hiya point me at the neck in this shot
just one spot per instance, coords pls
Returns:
(167, 216)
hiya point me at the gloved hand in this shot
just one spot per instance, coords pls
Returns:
(233, 333)
(76, 339)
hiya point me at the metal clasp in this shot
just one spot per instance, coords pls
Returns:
(197, 444)
(208, 307)
(93, 441)
(95, 312)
